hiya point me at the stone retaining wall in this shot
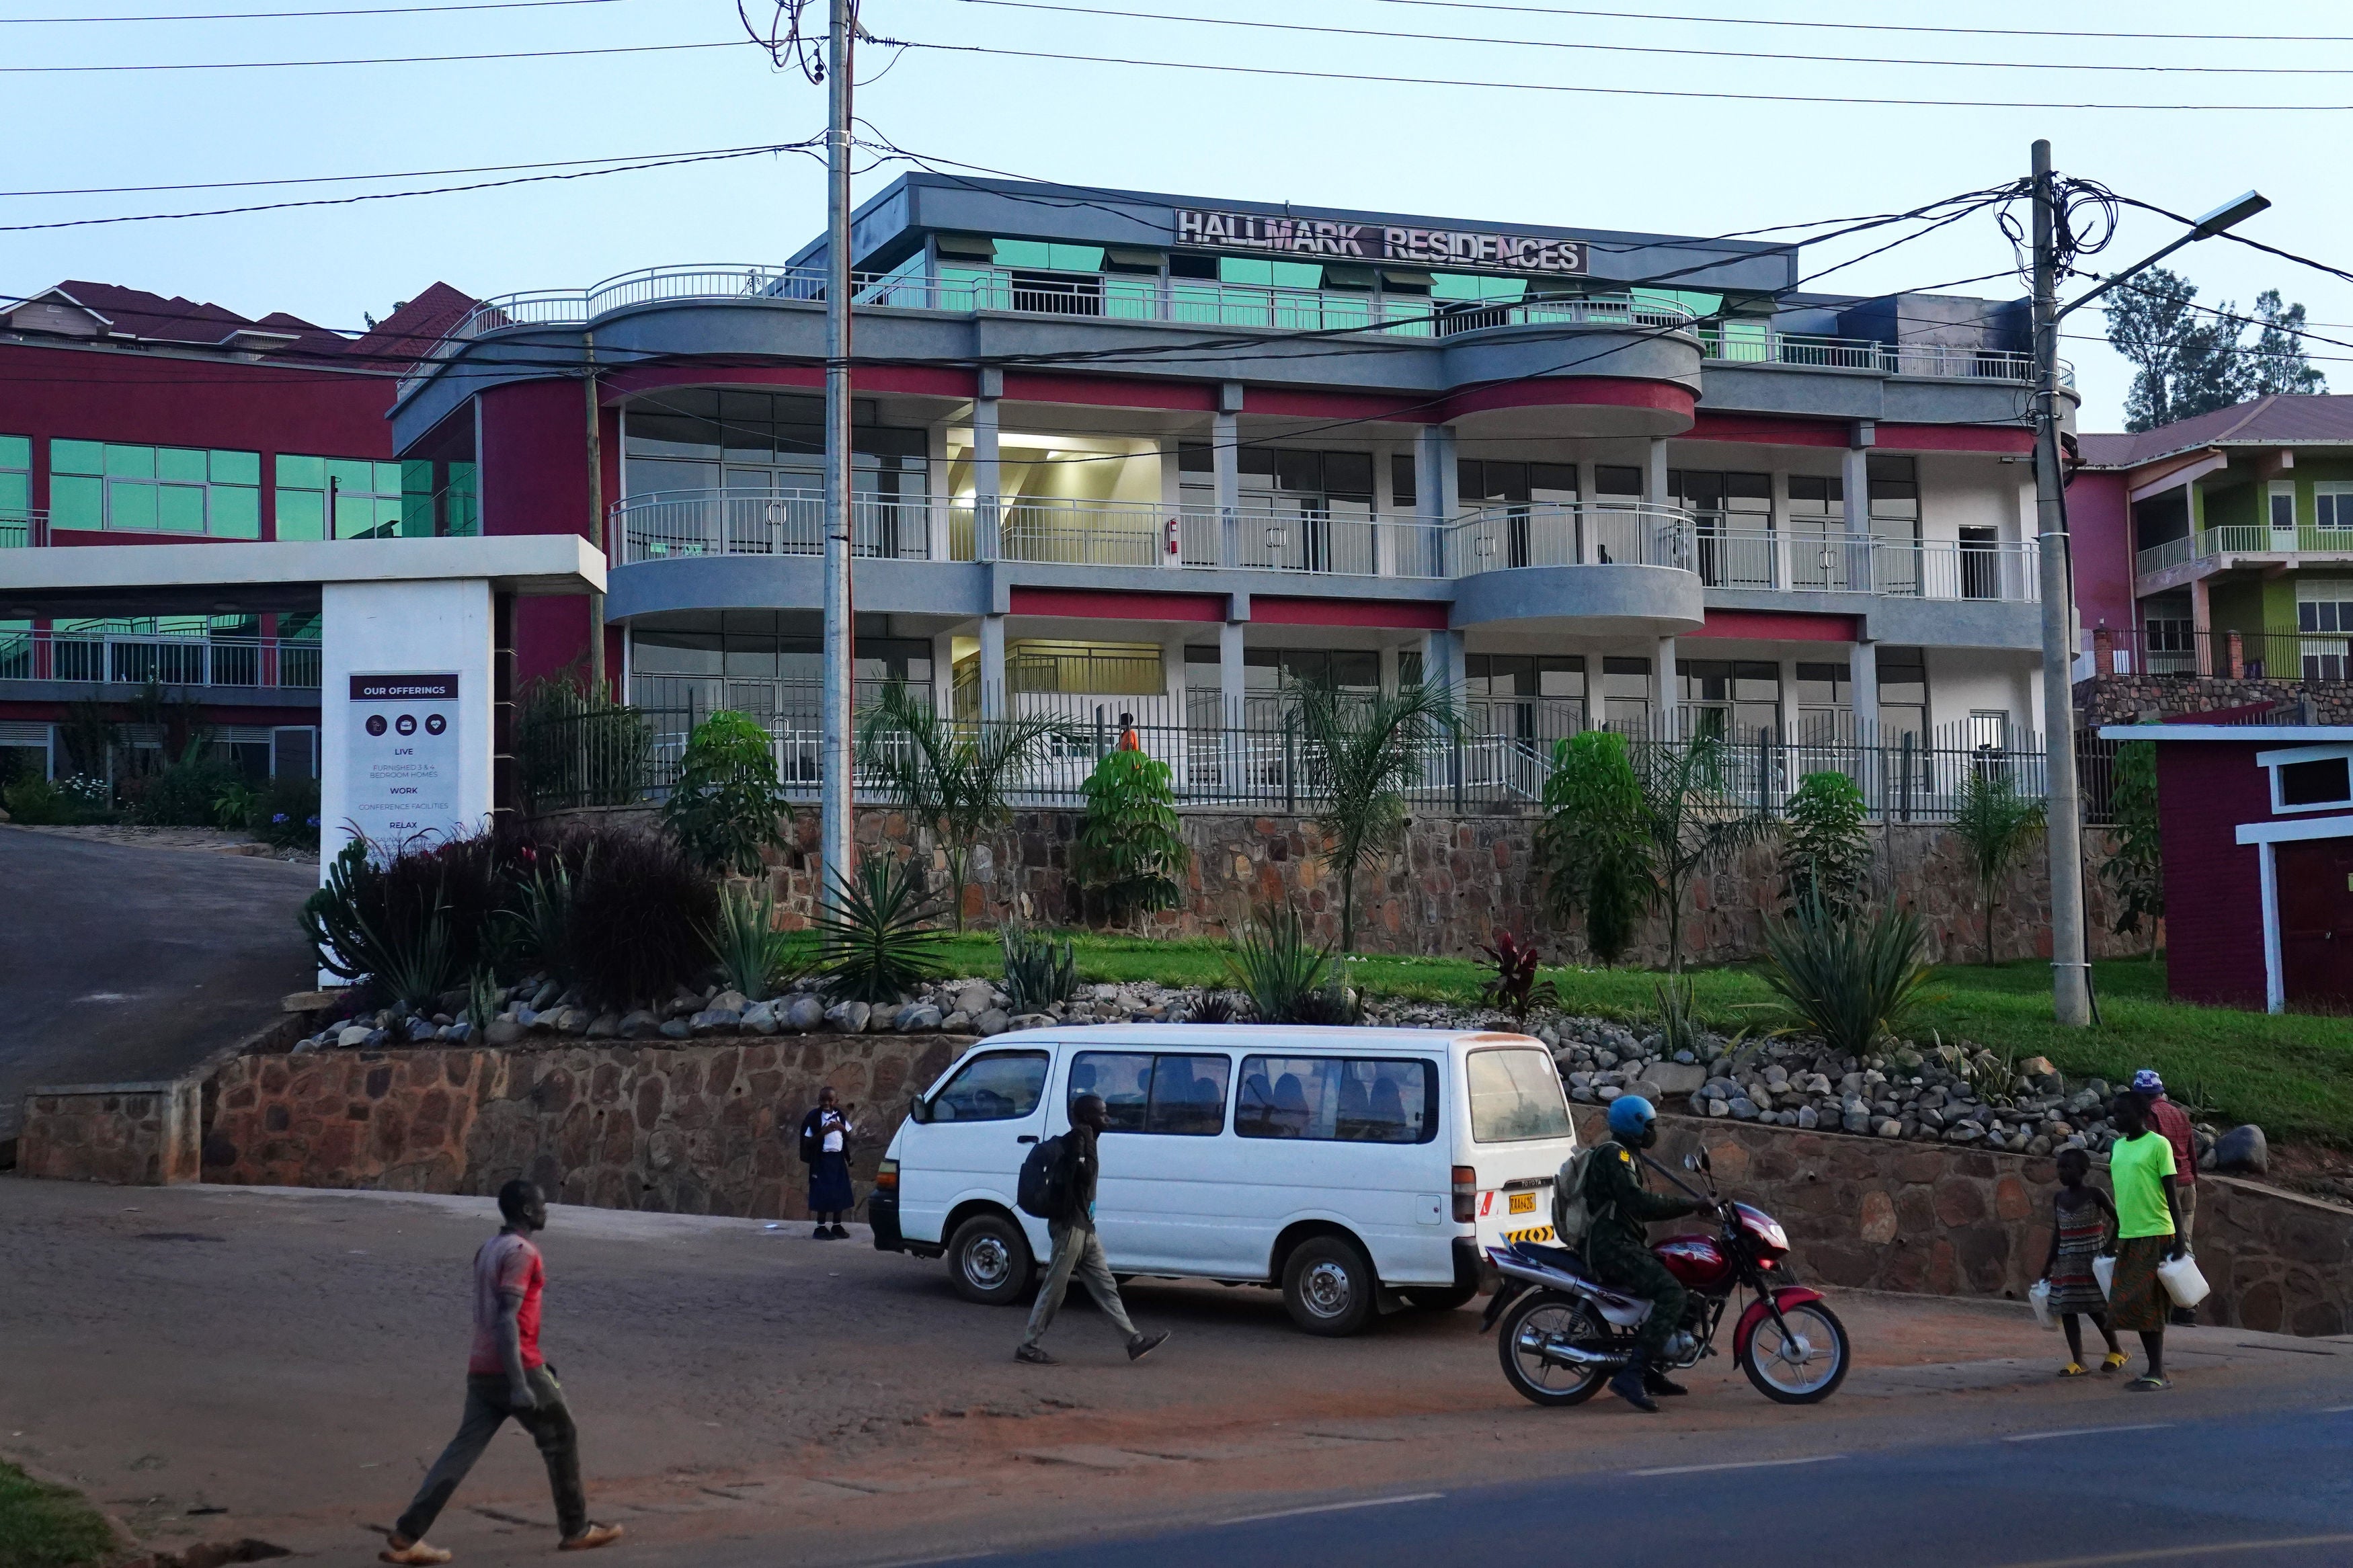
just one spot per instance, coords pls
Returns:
(126, 1134)
(1862, 1212)
(692, 1129)
(2129, 698)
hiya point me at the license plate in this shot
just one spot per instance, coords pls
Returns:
(1523, 1203)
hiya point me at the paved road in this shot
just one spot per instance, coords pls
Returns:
(2274, 1488)
(120, 963)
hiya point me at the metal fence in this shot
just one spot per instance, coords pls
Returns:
(111, 659)
(2315, 657)
(1497, 759)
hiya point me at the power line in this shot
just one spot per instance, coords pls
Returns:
(376, 60)
(2336, 272)
(284, 15)
(1885, 26)
(1681, 93)
(1659, 48)
(357, 179)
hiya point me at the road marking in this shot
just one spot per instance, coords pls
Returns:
(2332, 1410)
(2283, 1350)
(1736, 1465)
(2085, 1432)
(2175, 1553)
(1335, 1507)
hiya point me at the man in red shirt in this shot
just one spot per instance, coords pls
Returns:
(506, 1376)
(2171, 1122)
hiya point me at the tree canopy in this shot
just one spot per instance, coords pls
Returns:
(2191, 360)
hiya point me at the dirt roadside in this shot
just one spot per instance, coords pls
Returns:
(293, 1359)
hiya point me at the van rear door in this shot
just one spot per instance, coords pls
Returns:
(1519, 1133)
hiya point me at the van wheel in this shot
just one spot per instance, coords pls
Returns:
(1328, 1286)
(1440, 1298)
(990, 1262)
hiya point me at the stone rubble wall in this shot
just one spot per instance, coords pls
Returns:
(693, 1130)
(1458, 880)
(2129, 698)
(1873, 1214)
(124, 1134)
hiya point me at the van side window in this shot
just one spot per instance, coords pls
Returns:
(1148, 1091)
(1003, 1087)
(1350, 1099)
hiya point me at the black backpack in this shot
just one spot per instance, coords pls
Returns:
(1041, 1189)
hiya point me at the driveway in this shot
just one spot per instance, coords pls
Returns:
(218, 1362)
(122, 962)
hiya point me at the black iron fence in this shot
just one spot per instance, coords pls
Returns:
(2321, 656)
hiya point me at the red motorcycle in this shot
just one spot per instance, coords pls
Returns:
(1565, 1334)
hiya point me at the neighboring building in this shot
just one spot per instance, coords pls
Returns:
(129, 419)
(1161, 454)
(2256, 823)
(2222, 546)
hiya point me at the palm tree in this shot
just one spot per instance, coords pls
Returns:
(1364, 751)
(1691, 821)
(1997, 824)
(948, 775)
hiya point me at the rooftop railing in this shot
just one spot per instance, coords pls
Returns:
(2236, 539)
(1962, 364)
(99, 659)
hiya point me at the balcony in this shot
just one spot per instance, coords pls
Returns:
(2211, 549)
(97, 658)
(1729, 345)
(20, 530)
(1836, 563)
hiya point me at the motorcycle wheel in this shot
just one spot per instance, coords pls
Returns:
(1788, 1374)
(1549, 1315)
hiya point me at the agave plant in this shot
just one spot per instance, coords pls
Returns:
(875, 945)
(1288, 978)
(1852, 980)
(1036, 973)
(753, 957)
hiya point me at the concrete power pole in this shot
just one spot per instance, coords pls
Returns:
(2071, 992)
(835, 758)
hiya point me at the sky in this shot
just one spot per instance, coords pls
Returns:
(1570, 154)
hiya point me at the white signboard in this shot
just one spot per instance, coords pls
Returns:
(400, 769)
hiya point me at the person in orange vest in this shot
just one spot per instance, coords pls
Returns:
(1129, 740)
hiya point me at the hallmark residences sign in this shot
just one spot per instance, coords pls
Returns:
(1372, 242)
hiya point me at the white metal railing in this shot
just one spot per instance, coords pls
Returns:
(1767, 347)
(663, 525)
(2243, 539)
(133, 660)
(20, 530)
(1835, 562)
(1495, 539)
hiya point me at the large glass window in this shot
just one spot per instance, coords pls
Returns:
(1358, 1100)
(1531, 697)
(154, 489)
(1093, 670)
(1515, 1096)
(1903, 696)
(1002, 1087)
(369, 500)
(1730, 700)
(1825, 704)
(16, 499)
(1626, 694)
(1145, 1091)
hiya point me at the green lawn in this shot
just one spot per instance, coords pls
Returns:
(49, 1527)
(2292, 1074)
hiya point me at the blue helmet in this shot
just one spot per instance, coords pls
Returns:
(1631, 1116)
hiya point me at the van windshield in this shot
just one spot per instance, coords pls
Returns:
(1514, 1097)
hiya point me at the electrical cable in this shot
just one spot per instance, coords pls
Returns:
(353, 179)
(2234, 235)
(1884, 26)
(287, 16)
(373, 60)
(1588, 46)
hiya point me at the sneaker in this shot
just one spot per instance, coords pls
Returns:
(1034, 1355)
(593, 1537)
(1145, 1344)
(1628, 1386)
(841, 1233)
(415, 1553)
(822, 1233)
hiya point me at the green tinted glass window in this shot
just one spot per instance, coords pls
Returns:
(15, 452)
(309, 473)
(179, 509)
(387, 478)
(236, 512)
(1463, 285)
(15, 492)
(236, 467)
(177, 463)
(129, 462)
(76, 458)
(131, 506)
(74, 501)
(352, 474)
(302, 514)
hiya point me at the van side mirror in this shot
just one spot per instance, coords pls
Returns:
(918, 1109)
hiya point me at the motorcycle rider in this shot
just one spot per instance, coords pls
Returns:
(1618, 1249)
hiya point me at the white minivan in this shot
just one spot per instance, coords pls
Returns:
(1360, 1171)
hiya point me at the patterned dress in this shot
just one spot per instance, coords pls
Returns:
(2074, 1287)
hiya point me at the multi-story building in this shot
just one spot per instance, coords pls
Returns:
(2233, 533)
(1165, 455)
(129, 419)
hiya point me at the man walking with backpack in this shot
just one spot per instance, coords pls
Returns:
(1068, 1207)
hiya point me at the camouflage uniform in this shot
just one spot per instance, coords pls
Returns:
(1618, 1249)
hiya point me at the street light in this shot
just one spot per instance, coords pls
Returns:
(2070, 977)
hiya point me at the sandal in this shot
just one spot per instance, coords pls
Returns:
(2074, 1368)
(2144, 1384)
(2115, 1362)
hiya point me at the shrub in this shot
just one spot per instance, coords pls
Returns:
(754, 957)
(1592, 844)
(541, 920)
(1997, 824)
(1212, 1008)
(235, 806)
(365, 923)
(724, 807)
(69, 801)
(2137, 871)
(180, 794)
(1852, 980)
(287, 814)
(1288, 978)
(1366, 752)
(875, 945)
(1129, 851)
(1825, 850)
(1679, 1026)
(1512, 984)
(640, 910)
(1035, 974)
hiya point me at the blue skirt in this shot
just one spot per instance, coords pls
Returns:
(829, 1186)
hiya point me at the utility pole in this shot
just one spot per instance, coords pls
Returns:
(597, 532)
(2071, 991)
(834, 760)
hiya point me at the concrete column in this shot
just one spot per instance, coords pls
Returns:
(935, 481)
(1780, 527)
(1443, 659)
(1654, 479)
(1587, 536)
(1225, 457)
(1172, 684)
(994, 701)
(2201, 624)
(986, 476)
(1385, 518)
(1854, 493)
(1789, 703)
(1389, 670)
(1668, 689)
(1864, 666)
(1230, 685)
(943, 672)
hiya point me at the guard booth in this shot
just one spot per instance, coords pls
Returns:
(416, 649)
(2256, 825)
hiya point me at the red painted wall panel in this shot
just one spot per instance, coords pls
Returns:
(1396, 615)
(535, 479)
(1795, 626)
(1115, 607)
(1588, 391)
(2099, 528)
(2213, 884)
